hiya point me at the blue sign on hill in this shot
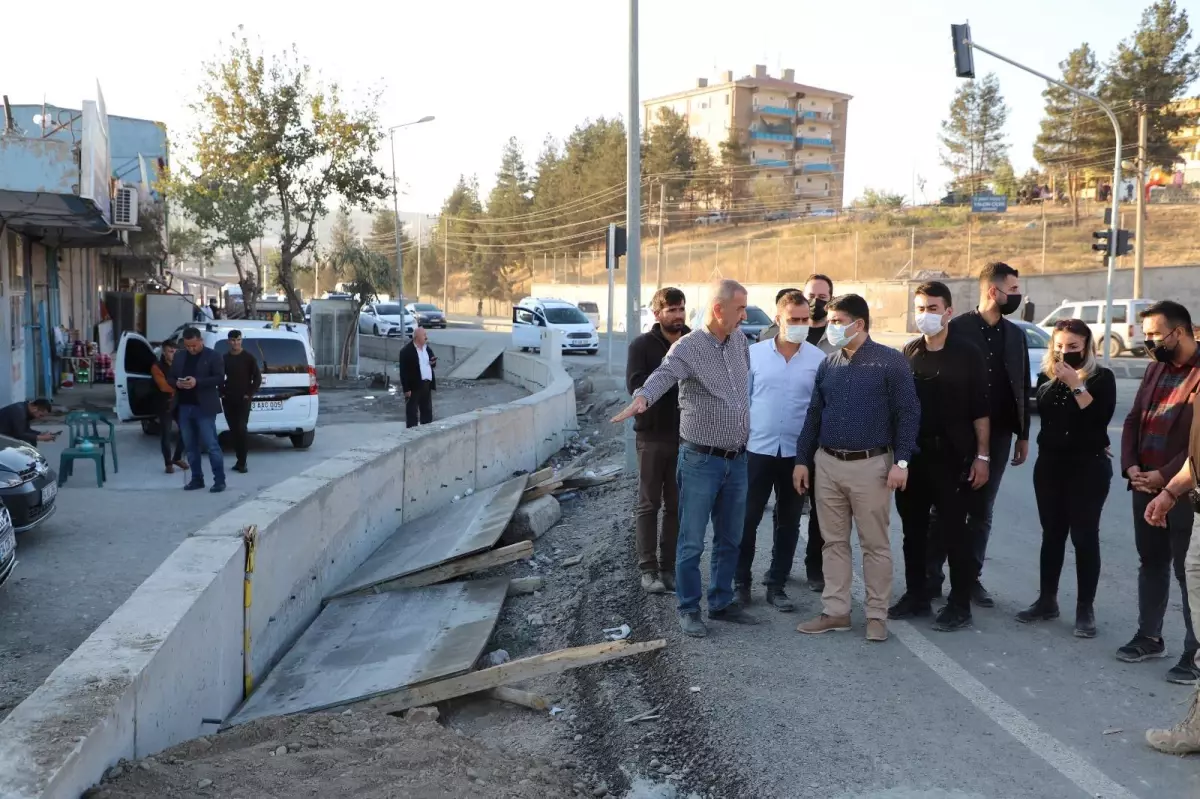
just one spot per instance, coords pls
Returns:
(989, 203)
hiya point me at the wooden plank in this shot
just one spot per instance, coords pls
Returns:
(515, 696)
(530, 494)
(515, 671)
(457, 568)
(361, 647)
(540, 476)
(471, 525)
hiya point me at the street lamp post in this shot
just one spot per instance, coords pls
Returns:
(396, 209)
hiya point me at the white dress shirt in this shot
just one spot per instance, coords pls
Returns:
(780, 391)
(426, 369)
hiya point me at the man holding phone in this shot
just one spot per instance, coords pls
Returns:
(197, 378)
(16, 419)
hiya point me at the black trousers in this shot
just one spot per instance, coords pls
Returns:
(813, 565)
(237, 416)
(1160, 553)
(936, 482)
(766, 473)
(166, 426)
(418, 407)
(1070, 492)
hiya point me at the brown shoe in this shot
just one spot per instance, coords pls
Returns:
(825, 624)
(182, 465)
(876, 630)
(1184, 737)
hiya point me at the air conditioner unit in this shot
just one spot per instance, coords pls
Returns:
(125, 207)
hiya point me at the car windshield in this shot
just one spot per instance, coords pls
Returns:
(755, 316)
(275, 356)
(424, 306)
(1036, 338)
(565, 315)
(589, 307)
(387, 310)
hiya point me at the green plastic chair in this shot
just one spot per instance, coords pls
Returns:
(86, 450)
(85, 426)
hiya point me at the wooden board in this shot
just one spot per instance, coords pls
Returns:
(462, 528)
(474, 365)
(540, 490)
(487, 559)
(360, 647)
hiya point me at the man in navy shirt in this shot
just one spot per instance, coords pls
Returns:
(858, 436)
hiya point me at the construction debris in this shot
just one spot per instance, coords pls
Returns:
(618, 633)
(590, 479)
(572, 561)
(515, 696)
(524, 585)
(532, 520)
(457, 568)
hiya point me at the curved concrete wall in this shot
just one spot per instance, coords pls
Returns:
(171, 655)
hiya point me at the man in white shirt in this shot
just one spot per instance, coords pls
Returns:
(783, 371)
(417, 380)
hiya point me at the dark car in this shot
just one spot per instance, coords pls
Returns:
(28, 486)
(756, 322)
(427, 315)
(1037, 341)
(8, 546)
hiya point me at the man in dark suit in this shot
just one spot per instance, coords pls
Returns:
(197, 378)
(417, 381)
(15, 421)
(1003, 346)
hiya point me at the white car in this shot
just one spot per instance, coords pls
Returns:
(286, 404)
(1038, 342)
(1127, 333)
(533, 314)
(385, 319)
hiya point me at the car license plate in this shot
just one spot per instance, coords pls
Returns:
(49, 493)
(271, 405)
(8, 542)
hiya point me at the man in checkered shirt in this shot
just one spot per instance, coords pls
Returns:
(712, 367)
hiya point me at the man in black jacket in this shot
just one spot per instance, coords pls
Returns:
(15, 421)
(197, 375)
(657, 445)
(417, 380)
(242, 381)
(1003, 346)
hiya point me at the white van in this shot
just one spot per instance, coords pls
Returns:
(286, 404)
(533, 314)
(1127, 333)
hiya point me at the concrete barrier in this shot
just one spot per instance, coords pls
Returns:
(388, 349)
(167, 665)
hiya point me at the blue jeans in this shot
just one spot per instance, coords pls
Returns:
(199, 431)
(709, 487)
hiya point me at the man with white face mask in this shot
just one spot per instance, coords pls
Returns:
(951, 458)
(782, 373)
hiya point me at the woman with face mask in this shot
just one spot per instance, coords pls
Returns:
(1073, 471)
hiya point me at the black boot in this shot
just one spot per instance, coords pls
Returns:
(1044, 609)
(1085, 620)
(741, 593)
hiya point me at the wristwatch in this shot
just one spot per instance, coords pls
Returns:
(902, 464)
(984, 458)
(1079, 390)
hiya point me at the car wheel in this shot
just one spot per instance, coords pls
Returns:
(375, 330)
(150, 427)
(524, 349)
(593, 352)
(303, 440)
(1114, 347)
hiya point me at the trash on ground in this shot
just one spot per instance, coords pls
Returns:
(618, 633)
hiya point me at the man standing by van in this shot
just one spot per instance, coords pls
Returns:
(197, 378)
(657, 433)
(242, 381)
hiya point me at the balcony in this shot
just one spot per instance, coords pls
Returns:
(814, 169)
(815, 116)
(774, 110)
(773, 163)
(765, 135)
(806, 141)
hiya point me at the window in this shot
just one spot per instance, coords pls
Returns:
(726, 99)
(1118, 313)
(565, 315)
(1036, 338)
(813, 129)
(524, 317)
(391, 309)
(1065, 312)
(1089, 314)
(275, 356)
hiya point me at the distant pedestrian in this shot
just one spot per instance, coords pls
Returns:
(1073, 470)
(197, 378)
(858, 437)
(1154, 448)
(657, 438)
(243, 378)
(417, 379)
(782, 373)
(711, 367)
(167, 410)
(15, 421)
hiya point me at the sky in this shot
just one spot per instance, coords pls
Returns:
(489, 70)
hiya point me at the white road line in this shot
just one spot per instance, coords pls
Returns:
(1062, 758)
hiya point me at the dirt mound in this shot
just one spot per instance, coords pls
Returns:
(365, 755)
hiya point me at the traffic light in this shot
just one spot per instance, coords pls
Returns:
(614, 243)
(1104, 243)
(1124, 247)
(964, 56)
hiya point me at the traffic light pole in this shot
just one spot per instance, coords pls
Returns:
(633, 217)
(1116, 182)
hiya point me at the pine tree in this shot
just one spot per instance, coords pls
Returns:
(734, 160)
(1072, 128)
(973, 134)
(667, 155)
(382, 242)
(508, 207)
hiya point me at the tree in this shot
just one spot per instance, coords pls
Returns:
(706, 182)
(508, 209)
(973, 134)
(1004, 179)
(461, 213)
(382, 242)
(290, 144)
(734, 160)
(362, 272)
(879, 200)
(772, 193)
(667, 154)
(1153, 67)
(1072, 129)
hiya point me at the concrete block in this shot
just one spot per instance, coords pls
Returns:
(503, 443)
(439, 465)
(532, 520)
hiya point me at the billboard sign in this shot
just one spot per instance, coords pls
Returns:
(95, 169)
(987, 203)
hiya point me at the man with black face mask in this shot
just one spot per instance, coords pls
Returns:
(1003, 346)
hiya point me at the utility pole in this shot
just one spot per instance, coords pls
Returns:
(633, 214)
(446, 264)
(662, 194)
(1139, 240)
(420, 232)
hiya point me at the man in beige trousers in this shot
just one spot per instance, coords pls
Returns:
(1184, 737)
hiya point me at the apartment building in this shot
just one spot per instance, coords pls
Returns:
(789, 131)
(1188, 140)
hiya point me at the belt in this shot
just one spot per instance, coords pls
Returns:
(703, 449)
(855, 454)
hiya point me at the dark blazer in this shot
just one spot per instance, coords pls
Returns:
(410, 367)
(646, 352)
(14, 423)
(1181, 424)
(1016, 361)
(210, 377)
